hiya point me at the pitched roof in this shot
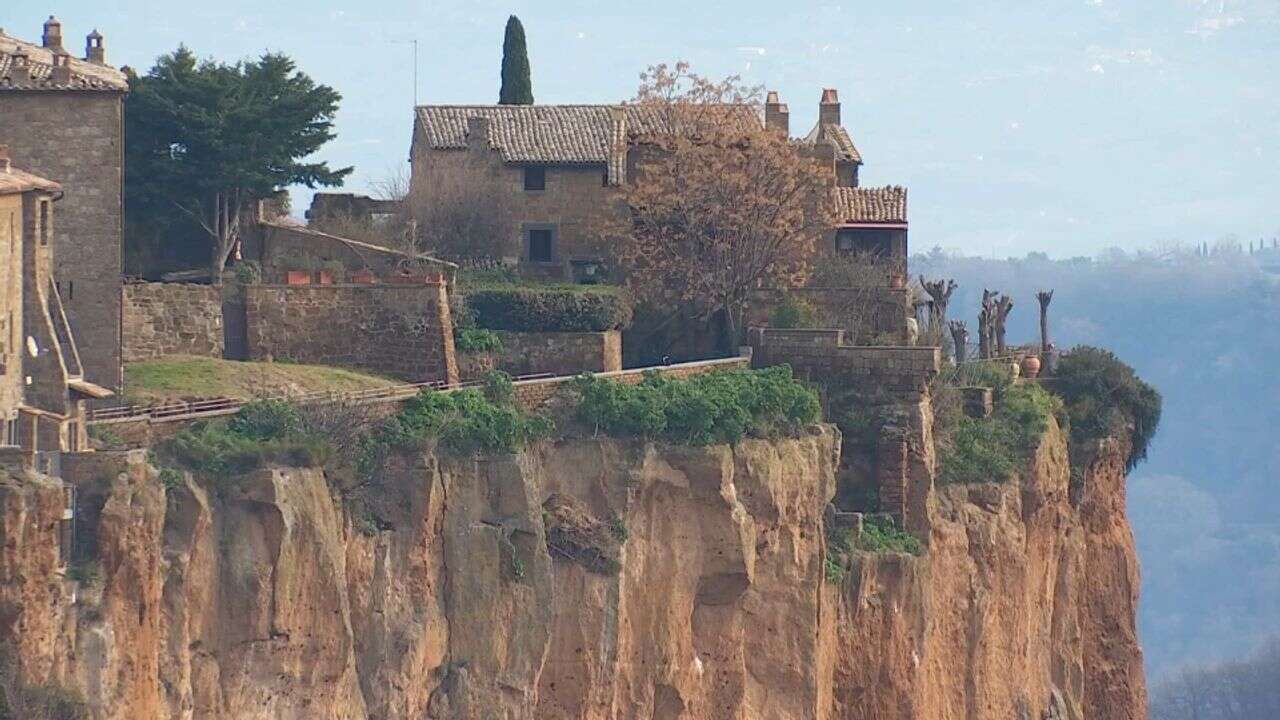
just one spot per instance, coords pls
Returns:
(837, 137)
(13, 180)
(886, 204)
(548, 134)
(85, 75)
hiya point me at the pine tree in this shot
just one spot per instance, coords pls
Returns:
(517, 86)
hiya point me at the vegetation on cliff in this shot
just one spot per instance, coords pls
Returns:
(1106, 398)
(990, 449)
(262, 431)
(718, 407)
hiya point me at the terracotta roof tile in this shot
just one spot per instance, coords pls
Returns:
(549, 134)
(838, 137)
(13, 180)
(886, 204)
(84, 74)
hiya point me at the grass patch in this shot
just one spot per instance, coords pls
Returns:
(476, 340)
(507, 278)
(717, 407)
(182, 376)
(880, 534)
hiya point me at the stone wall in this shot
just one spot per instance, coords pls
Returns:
(75, 138)
(531, 395)
(560, 353)
(171, 319)
(861, 313)
(823, 354)
(277, 247)
(403, 331)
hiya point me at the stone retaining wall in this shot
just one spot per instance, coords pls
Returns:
(171, 319)
(402, 331)
(560, 353)
(823, 353)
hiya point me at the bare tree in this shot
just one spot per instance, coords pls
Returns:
(467, 220)
(939, 292)
(960, 338)
(1044, 297)
(721, 205)
(986, 317)
(857, 280)
(1003, 306)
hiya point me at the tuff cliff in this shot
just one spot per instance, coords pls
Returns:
(587, 578)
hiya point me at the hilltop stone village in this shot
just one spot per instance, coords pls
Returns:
(807, 546)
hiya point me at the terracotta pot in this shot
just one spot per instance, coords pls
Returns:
(297, 277)
(1030, 366)
(362, 276)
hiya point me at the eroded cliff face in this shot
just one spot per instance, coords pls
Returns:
(272, 598)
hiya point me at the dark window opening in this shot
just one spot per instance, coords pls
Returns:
(878, 243)
(71, 289)
(540, 242)
(44, 222)
(604, 180)
(535, 178)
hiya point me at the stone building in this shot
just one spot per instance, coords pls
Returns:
(42, 384)
(62, 117)
(556, 170)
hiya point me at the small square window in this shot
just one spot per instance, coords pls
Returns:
(540, 245)
(535, 178)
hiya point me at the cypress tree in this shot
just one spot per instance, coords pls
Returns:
(517, 86)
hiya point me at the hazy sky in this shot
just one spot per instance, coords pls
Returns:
(1058, 126)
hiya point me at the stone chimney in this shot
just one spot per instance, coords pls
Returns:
(61, 74)
(829, 108)
(94, 50)
(52, 38)
(477, 130)
(19, 68)
(4, 159)
(776, 115)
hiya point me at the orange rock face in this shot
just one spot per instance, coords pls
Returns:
(272, 597)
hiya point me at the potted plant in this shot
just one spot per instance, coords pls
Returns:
(330, 272)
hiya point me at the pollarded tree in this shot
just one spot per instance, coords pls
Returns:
(517, 82)
(205, 139)
(721, 205)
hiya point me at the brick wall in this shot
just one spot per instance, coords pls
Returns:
(403, 331)
(560, 353)
(171, 319)
(75, 138)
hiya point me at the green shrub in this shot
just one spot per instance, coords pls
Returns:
(247, 272)
(263, 431)
(989, 449)
(85, 572)
(552, 309)
(476, 340)
(793, 312)
(1104, 397)
(267, 419)
(464, 421)
(717, 407)
(881, 534)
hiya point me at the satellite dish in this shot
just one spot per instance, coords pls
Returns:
(32, 347)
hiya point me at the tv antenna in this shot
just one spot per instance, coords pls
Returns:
(414, 43)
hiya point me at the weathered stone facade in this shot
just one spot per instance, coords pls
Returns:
(280, 247)
(42, 386)
(72, 132)
(171, 319)
(403, 331)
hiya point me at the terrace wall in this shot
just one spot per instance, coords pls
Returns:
(171, 319)
(402, 331)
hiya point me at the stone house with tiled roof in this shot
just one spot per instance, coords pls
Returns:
(557, 168)
(42, 383)
(62, 118)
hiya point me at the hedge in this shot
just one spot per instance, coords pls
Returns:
(547, 310)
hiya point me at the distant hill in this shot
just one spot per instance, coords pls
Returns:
(1206, 507)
